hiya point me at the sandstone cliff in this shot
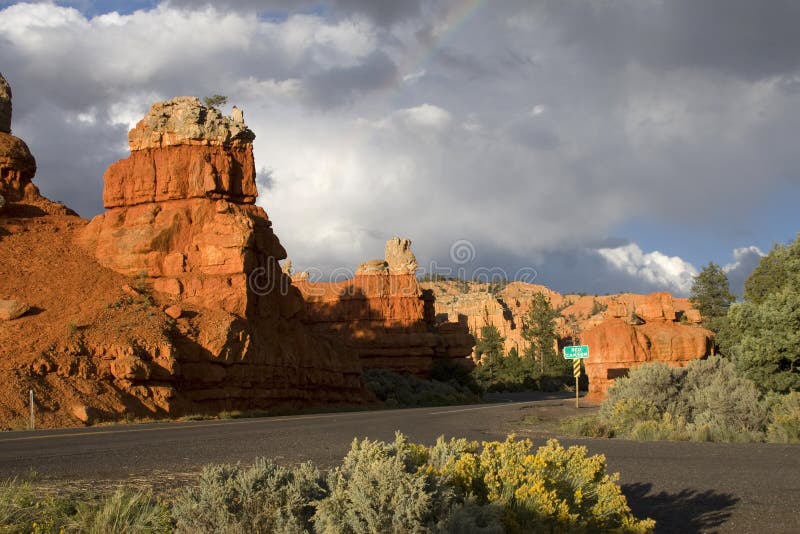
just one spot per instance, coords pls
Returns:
(621, 330)
(384, 315)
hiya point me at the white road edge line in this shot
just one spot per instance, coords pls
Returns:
(480, 408)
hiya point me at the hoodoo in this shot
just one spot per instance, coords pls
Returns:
(181, 215)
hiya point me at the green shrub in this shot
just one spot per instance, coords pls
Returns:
(666, 427)
(784, 425)
(656, 384)
(380, 488)
(122, 512)
(398, 390)
(261, 498)
(456, 373)
(705, 401)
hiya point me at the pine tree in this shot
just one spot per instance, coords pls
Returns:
(490, 343)
(711, 295)
(762, 334)
(215, 101)
(539, 329)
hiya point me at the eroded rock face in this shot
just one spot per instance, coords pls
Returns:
(182, 150)
(621, 330)
(615, 346)
(181, 215)
(384, 316)
(5, 106)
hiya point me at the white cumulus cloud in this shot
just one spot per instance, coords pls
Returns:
(671, 272)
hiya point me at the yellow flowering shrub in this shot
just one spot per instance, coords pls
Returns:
(555, 489)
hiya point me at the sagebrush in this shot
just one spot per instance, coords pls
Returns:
(454, 486)
(708, 400)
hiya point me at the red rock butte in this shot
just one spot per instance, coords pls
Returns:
(181, 214)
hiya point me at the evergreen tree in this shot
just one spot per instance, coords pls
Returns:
(774, 272)
(490, 343)
(763, 332)
(215, 101)
(539, 330)
(711, 295)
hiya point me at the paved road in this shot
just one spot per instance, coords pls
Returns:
(686, 487)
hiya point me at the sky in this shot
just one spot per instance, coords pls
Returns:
(589, 145)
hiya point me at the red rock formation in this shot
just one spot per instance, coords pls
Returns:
(384, 316)
(616, 345)
(621, 330)
(181, 215)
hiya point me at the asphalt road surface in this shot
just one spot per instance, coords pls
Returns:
(685, 487)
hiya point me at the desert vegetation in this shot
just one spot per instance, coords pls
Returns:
(749, 393)
(453, 486)
(705, 401)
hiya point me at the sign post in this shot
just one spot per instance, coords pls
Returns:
(576, 353)
(33, 419)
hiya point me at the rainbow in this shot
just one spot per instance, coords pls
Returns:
(450, 21)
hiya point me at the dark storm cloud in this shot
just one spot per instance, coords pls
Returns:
(71, 156)
(339, 85)
(744, 38)
(496, 123)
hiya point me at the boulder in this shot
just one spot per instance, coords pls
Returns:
(84, 414)
(12, 309)
(174, 311)
(184, 121)
(17, 165)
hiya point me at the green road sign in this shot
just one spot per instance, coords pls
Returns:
(576, 352)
